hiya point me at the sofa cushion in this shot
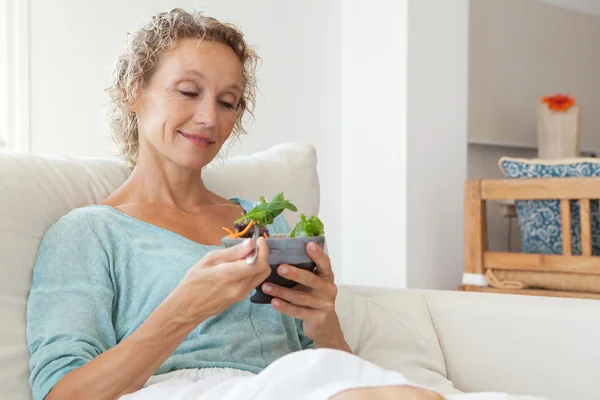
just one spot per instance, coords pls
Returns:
(393, 329)
(527, 345)
(540, 220)
(37, 190)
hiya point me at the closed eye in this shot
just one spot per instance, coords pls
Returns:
(188, 94)
(226, 104)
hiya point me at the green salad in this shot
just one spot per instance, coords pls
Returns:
(264, 213)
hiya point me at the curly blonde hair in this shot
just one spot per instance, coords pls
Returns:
(137, 63)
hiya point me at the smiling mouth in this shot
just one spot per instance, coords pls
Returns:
(198, 138)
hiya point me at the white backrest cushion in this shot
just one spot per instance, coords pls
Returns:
(35, 191)
(393, 329)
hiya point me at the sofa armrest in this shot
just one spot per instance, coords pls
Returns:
(528, 345)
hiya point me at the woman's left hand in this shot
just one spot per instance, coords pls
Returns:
(312, 300)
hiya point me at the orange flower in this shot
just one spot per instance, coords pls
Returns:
(559, 102)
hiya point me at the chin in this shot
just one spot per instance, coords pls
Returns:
(195, 161)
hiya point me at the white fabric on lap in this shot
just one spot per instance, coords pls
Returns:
(198, 374)
(165, 386)
(308, 374)
(302, 375)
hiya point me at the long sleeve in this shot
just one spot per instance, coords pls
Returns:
(69, 311)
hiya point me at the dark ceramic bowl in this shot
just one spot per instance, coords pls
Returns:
(284, 250)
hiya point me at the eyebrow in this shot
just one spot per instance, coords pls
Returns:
(199, 75)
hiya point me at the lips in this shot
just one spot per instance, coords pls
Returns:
(197, 138)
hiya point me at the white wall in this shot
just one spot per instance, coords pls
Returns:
(437, 141)
(14, 75)
(591, 7)
(404, 110)
(373, 120)
(74, 44)
(4, 34)
(521, 50)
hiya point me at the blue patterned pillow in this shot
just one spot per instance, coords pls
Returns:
(539, 220)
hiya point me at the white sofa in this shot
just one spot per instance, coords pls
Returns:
(451, 341)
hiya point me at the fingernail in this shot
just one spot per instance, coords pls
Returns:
(312, 246)
(246, 243)
(267, 288)
(284, 270)
(276, 303)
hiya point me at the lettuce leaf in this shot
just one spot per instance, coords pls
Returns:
(265, 212)
(308, 227)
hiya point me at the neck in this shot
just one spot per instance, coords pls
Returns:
(157, 180)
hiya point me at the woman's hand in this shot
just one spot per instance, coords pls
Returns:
(312, 300)
(220, 279)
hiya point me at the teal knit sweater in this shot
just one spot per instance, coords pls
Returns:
(100, 273)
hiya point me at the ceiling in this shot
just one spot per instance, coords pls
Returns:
(585, 6)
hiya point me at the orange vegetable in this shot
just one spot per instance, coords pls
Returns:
(242, 233)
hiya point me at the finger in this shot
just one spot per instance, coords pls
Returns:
(302, 288)
(229, 254)
(306, 278)
(293, 310)
(238, 270)
(316, 253)
(261, 265)
(297, 297)
(255, 273)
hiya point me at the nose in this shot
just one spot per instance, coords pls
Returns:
(206, 112)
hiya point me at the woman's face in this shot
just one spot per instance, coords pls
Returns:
(187, 110)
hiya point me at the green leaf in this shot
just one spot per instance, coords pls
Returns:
(265, 212)
(278, 197)
(308, 227)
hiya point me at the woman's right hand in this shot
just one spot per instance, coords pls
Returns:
(222, 277)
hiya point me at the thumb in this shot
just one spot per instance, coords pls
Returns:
(230, 254)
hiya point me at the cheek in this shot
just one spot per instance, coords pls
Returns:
(175, 111)
(150, 127)
(150, 116)
(227, 124)
(167, 116)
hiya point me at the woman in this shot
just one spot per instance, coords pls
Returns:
(138, 286)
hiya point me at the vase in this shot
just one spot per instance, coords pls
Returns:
(558, 132)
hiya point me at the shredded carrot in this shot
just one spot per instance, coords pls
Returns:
(280, 235)
(242, 233)
(265, 235)
(228, 230)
